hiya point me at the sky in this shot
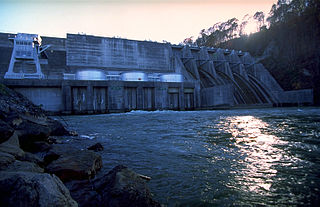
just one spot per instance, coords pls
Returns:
(155, 20)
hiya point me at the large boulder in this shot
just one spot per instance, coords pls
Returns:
(75, 165)
(33, 189)
(121, 187)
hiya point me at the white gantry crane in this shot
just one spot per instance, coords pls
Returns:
(24, 61)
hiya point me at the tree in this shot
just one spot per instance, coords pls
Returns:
(243, 24)
(259, 17)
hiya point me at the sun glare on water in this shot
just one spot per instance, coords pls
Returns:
(259, 151)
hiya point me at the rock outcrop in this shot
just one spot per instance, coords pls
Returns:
(22, 178)
(29, 121)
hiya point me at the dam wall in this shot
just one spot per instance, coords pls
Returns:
(117, 54)
(297, 97)
(6, 48)
(92, 74)
(217, 96)
(78, 97)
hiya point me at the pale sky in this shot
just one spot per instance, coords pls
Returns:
(155, 20)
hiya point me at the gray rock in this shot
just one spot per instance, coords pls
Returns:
(33, 189)
(5, 160)
(11, 146)
(24, 166)
(30, 132)
(121, 187)
(96, 147)
(75, 165)
(41, 147)
(13, 140)
(30, 157)
(84, 192)
(63, 149)
(56, 128)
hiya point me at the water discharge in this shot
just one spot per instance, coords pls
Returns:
(214, 158)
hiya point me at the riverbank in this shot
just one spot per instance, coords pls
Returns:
(40, 167)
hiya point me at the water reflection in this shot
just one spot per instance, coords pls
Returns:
(259, 151)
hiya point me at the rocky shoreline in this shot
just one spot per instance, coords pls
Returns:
(37, 168)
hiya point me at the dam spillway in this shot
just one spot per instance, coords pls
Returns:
(90, 74)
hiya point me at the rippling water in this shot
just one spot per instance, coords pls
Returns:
(214, 158)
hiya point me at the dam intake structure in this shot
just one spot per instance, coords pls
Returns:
(91, 74)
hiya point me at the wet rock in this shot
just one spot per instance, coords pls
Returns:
(13, 150)
(121, 187)
(54, 140)
(5, 160)
(73, 133)
(24, 166)
(96, 147)
(29, 132)
(11, 146)
(6, 131)
(13, 140)
(58, 150)
(33, 189)
(30, 157)
(49, 157)
(76, 165)
(40, 147)
(84, 193)
(63, 149)
(57, 129)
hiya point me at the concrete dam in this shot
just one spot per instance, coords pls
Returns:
(91, 74)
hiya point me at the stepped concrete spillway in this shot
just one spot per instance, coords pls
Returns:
(90, 74)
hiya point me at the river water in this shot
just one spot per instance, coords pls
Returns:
(214, 158)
